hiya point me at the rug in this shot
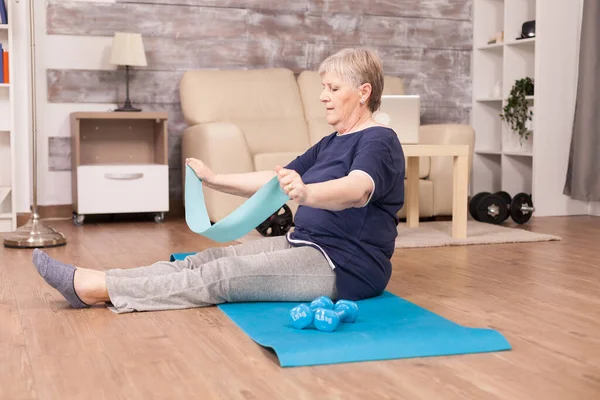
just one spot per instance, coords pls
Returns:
(439, 233)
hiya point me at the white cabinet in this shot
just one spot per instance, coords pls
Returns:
(108, 189)
(119, 163)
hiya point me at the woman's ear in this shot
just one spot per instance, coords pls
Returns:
(365, 92)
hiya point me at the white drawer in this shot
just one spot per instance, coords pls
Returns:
(111, 189)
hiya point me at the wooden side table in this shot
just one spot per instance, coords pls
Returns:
(119, 163)
(460, 178)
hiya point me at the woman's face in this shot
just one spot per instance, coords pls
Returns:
(341, 100)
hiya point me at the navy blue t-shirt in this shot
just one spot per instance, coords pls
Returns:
(358, 241)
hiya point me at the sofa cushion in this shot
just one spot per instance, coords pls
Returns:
(309, 83)
(318, 128)
(268, 161)
(259, 101)
(273, 135)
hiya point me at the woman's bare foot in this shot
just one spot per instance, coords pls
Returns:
(90, 286)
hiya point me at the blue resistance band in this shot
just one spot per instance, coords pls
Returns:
(242, 220)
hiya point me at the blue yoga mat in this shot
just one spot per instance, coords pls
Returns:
(388, 327)
(268, 199)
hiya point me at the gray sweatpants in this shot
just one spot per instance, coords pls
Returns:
(268, 269)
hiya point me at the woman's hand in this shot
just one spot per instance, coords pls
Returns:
(201, 170)
(291, 183)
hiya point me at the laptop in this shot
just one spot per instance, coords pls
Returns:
(402, 113)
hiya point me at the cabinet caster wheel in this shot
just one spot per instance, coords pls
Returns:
(159, 217)
(78, 219)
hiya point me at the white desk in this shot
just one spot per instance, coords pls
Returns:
(460, 153)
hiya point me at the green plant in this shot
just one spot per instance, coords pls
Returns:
(516, 112)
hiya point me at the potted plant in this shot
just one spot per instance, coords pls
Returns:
(516, 112)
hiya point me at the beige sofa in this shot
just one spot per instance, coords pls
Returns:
(250, 120)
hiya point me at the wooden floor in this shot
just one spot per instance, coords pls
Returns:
(544, 297)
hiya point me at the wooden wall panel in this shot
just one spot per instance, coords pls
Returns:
(184, 54)
(415, 32)
(59, 153)
(426, 42)
(440, 76)
(441, 115)
(92, 86)
(305, 28)
(160, 20)
(446, 9)
(364, 30)
(103, 19)
(283, 5)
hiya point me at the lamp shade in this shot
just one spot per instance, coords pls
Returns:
(128, 49)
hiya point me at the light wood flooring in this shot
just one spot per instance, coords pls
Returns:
(544, 297)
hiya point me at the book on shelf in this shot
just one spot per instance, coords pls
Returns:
(1, 63)
(5, 66)
(3, 13)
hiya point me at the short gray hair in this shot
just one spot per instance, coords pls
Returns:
(355, 67)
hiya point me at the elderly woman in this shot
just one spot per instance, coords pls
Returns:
(349, 187)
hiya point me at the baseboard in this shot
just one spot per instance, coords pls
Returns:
(594, 208)
(176, 211)
(54, 211)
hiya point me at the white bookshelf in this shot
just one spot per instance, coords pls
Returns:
(500, 161)
(552, 60)
(8, 215)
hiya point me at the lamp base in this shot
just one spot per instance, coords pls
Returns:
(34, 234)
(125, 108)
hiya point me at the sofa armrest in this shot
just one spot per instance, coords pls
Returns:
(440, 170)
(222, 147)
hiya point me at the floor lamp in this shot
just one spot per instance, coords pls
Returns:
(34, 233)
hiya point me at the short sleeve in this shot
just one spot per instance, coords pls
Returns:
(382, 159)
(305, 161)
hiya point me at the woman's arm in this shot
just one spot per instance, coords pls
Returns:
(245, 184)
(353, 190)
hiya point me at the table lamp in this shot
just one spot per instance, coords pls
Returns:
(128, 50)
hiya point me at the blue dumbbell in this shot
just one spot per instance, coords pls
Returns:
(347, 310)
(328, 320)
(321, 302)
(301, 316)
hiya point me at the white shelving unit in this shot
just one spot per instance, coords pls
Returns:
(500, 161)
(551, 58)
(8, 215)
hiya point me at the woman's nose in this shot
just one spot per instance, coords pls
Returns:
(323, 97)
